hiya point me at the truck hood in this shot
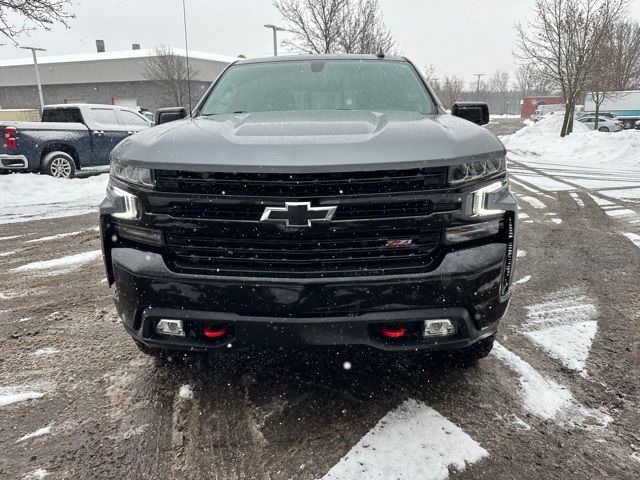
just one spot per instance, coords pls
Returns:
(303, 141)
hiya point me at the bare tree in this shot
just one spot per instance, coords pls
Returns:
(625, 56)
(169, 72)
(335, 26)
(617, 65)
(363, 29)
(432, 79)
(499, 83)
(19, 17)
(523, 80)
(452, 89)
(562, 42)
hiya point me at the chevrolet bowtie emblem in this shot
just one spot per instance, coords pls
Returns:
(298, 214)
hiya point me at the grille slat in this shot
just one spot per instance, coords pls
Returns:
(346, 211)
(304, 185)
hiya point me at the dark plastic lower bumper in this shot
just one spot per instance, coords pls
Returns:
(302, 312)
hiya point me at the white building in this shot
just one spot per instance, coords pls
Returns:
(102, 77)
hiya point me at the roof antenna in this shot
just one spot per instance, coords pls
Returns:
(186, 51)
(380, 53)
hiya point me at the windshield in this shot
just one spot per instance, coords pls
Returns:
(319, 85)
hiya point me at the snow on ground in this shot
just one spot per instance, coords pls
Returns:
(534, 202)
(45, 351)
(9, 395)
(56, 237)
(411, 442)
(37, 474)
(634, 238)
(6, 254)
(523, 280)
(564, 326)
(59, 265)
(186, 392)
(629, 195)
(546, 398)
(38, 433)
(577, 199)
(31, 196)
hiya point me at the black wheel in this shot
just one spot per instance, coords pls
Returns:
(603, 129)
(628, 124)
(4, 171)
(59, 165)
(469, 356)
(164, 356)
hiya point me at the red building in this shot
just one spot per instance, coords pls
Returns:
(530, 104)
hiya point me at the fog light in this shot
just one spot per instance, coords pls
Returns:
(438, 328)
(170, 327)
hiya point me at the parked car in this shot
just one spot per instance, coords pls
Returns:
(309, 201)
(601, 114)
(605, 124)
(68, 138)
(624, 104)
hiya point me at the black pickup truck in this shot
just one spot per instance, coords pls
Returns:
(313, 200)
(68, 138)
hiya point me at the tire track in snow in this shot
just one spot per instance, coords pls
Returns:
(548, 399)
(564, 326)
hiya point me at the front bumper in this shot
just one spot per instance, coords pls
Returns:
(465, 287)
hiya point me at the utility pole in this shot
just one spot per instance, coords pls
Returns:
(275, 37)
(35, 64)
(479, 75)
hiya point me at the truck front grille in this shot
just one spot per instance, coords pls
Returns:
(211, 222)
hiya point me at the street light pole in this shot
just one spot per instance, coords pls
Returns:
(479, 75)
(275, 37)
(35, 64)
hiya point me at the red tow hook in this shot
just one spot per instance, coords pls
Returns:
(215, 331)
(395, 330)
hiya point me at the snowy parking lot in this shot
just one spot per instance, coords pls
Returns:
(558, 397)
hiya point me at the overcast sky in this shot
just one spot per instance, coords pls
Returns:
(460, 37)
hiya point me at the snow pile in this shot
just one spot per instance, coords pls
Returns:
(31, 196)
(540, 142)
(411, 442)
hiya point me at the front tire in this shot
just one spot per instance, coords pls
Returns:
(59, 165)
(628, 124)
(603, 129)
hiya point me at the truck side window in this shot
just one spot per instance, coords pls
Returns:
(62, 115)
(105, 118)
(130, 118)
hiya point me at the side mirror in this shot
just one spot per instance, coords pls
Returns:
(165, 115)
(476, 112)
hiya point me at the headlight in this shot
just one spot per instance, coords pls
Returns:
(467, 172)
(131, 174)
